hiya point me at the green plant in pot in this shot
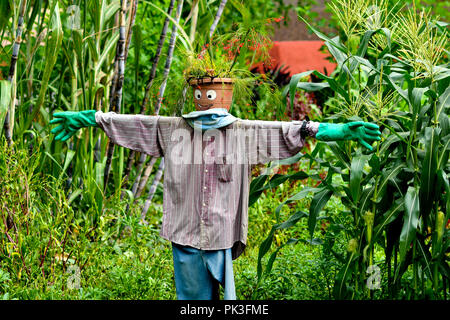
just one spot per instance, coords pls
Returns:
(226, 59)
(218, 71)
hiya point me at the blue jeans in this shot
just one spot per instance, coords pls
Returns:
(198, 273)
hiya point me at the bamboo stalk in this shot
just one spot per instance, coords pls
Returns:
(138, 187)
(156, 58)
(116, 97)
(30, 73)
(12, 69)
(134, 7)
(183, 98)
(121, 45)
(152, 76)
(124, 51)
(17, 41)
(112, 91)
(194, 21)
(152, 190)
(130, 162)
(217, 18)
(162, 89)
(168, 64)
(140, 168)
(147, 172)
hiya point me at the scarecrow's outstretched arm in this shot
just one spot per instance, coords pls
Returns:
(136, 132)
(275, 140)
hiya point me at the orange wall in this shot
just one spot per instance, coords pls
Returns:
(300, 56)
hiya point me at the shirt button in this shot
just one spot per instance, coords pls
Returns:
(204, 204)
(206, 170)
(204, 188)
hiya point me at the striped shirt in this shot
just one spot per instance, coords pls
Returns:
(207, 174)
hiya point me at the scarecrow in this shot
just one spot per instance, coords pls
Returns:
(208, 156)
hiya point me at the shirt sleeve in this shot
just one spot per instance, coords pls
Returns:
(274, 140)
(135, 132)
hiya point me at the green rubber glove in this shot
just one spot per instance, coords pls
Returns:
(71, 121)
(364, 132)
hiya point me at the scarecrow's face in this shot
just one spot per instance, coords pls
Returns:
(212, 96)
(204, 98)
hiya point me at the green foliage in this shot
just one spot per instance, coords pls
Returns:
(53, 204)
(343, 210)
(118, 257)
(397, 196)
(43, 236)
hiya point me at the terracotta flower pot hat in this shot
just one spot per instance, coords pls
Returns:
(212, 93)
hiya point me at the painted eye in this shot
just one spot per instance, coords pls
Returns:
(211, 94)
(197, 94)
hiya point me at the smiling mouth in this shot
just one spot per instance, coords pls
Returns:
(205, 107)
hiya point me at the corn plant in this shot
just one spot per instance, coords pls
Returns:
(398, 196)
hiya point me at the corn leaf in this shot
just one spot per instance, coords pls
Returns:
(318, 202)
(410, 222)
(298, 196)
(429, 168)
(69, 156)
(6, 11)
(365, 199)
(266, 244)
(386, 177)
(356, 174)
(339, 153)
(444, 181)
(332, 83)
(364, 44)
(443, 102)
(323, 37)
(263, 249)
(388, 218)
(291, 221)
(340, 290)
(255, 187)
